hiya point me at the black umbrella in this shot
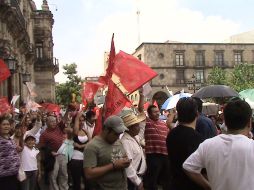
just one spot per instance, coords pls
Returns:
(215, 91)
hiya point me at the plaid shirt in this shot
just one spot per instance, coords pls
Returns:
(155, 137)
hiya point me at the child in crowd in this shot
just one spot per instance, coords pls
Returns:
(29, 163)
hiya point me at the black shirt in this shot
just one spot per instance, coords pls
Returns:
(181, 143)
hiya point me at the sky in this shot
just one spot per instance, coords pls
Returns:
(83, 29)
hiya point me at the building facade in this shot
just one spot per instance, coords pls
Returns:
(180, 65)
(26, 46)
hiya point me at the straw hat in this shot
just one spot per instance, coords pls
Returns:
(131, 119)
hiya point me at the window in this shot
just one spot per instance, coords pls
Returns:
(219, 58)
(200, 76)
(200, 58)
(179, 59)
(39, 50)
(140, 57)
(180, 77)
(238, 57)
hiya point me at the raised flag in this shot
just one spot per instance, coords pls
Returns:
(50, 107)
(4, 71)
(115, 100)
(90, 89)
(98, 123)
(132, 72)
(155, 103)
(4, 106)
(110, 61)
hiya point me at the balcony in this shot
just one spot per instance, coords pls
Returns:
(46, 64)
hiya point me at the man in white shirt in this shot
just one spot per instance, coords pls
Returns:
(227, 158)
(134, 151)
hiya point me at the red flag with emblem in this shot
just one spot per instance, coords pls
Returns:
(90, 89)
(132, 72)
(4, 106)
(4, 71)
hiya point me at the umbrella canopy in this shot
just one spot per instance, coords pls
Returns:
(172, 101)
(248, 96)
(215, 91)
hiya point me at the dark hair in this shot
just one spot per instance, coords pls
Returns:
(199, 103)
(90, 114)
(4, 117)
(149, 109)
(186, 110)
(237, 114)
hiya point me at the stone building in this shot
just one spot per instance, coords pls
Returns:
(26, 46)
(179, 64)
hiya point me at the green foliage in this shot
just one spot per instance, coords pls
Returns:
(242, 77)
(65, 90)
(217, 76)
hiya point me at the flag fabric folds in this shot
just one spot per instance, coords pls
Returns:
(4, 71)
(132, 72)
(90, 89)
(4, 106)
(115, 100)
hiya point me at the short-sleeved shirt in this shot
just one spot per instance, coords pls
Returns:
(182, 141)
(99, 153)
(228, 160)
(155, 137)
(53, 138)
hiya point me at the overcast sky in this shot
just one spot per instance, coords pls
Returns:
(83, 28)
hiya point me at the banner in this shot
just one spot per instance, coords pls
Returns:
(132, 72)
(4, 71)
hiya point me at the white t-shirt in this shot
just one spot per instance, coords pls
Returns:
(228, 160)
(28, 159)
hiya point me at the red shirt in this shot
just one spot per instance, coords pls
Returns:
(155, 137)
(52, 138)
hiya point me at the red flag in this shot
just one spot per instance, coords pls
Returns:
(115, 100)
(98, 123)
(111, 58)
(4, 105)
(50, 107)
(90, 89)
(4, 71)
(103, 80)
(132, 72)
(155, 103)
(146, 105)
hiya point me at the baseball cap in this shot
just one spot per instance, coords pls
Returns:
(115, 123)
(29, 136)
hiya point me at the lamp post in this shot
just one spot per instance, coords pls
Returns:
(194, 84)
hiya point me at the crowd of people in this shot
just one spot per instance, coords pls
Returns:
(135, 150)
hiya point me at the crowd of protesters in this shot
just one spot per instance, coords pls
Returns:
(134, 150)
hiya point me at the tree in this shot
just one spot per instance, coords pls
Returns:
(65, 91)
(217, 76)
(242, 77)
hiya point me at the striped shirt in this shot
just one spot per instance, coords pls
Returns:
(52, 138)
(9, 158)
(155, 137)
